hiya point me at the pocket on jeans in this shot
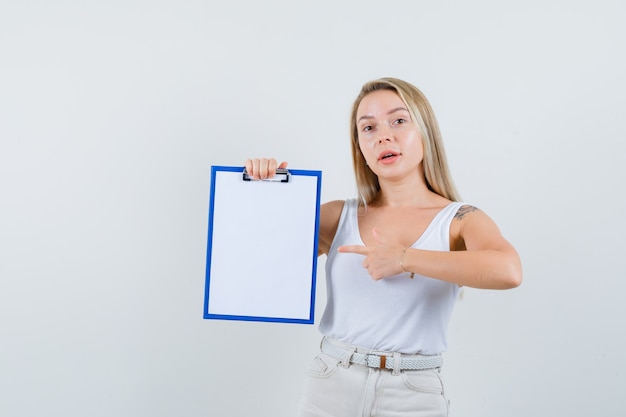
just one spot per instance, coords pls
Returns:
(323, 366)
(427, 381)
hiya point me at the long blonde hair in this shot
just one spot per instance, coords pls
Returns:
(436, 172)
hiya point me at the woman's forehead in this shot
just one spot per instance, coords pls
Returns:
(380, 101)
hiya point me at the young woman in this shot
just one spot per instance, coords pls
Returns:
(396, 259)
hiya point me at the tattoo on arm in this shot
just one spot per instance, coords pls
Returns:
(463, 211)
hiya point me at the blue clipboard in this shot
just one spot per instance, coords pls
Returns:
(261, 260)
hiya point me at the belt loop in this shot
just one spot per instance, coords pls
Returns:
(345, 361)
(397, 363)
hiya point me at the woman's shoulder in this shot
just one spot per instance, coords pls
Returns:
(463, 209)
(331, 210)
(334, 204)
(470, 222)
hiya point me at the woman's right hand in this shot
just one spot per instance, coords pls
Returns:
(262, 168)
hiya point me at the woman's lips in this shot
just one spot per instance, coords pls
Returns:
(388, 157)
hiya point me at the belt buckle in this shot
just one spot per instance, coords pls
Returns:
(382, 361)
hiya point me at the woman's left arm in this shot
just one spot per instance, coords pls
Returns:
(480, 258)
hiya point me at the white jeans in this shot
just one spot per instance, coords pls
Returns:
(336, 389)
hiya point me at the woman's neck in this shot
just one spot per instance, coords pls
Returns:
(404, 194)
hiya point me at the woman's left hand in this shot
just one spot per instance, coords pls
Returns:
(381, 260)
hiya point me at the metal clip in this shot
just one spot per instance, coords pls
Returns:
(282, 175)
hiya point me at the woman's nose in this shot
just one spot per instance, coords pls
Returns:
(384, 136)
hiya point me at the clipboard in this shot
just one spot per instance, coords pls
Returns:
(262, 246)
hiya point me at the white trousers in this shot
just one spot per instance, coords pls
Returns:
(334, 388)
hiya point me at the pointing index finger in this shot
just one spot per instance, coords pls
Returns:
(358, 249)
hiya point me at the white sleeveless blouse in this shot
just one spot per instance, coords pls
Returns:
(395, 314)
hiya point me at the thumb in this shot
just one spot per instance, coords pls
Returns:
(282, 165)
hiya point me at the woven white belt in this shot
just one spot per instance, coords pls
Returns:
(379, 361)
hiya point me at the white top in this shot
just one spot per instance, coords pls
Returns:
(395, 314)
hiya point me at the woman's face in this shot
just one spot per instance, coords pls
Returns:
(389, 139)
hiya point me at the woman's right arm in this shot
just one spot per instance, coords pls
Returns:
(329, 220)
(262, 168)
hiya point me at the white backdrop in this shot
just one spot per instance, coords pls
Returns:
(112, 112)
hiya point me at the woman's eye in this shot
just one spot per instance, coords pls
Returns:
(367, 128)
(400, 121)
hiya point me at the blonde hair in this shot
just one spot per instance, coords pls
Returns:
(436, 172)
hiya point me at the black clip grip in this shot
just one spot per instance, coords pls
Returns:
(282, 175)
